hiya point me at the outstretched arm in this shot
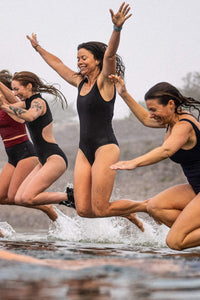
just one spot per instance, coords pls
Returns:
(109, 61)
(54, 62)
(138, 110)
(180, 135)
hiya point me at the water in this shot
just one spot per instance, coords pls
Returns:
(87, 259)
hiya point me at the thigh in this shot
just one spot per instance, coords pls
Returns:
(42, 177)
(102, 175)
(176, 197)
(5, 179)
(82, 183)
(45, 175)
(188, 221)
(23, 168)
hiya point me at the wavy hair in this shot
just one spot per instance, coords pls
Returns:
(25, 77)
(164, 92)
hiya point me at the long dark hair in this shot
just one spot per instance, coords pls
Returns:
(164, 92)
(98, 50)
(38, 85)
(6, 78)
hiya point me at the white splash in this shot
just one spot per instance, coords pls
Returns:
(106, 230)
(6, 230)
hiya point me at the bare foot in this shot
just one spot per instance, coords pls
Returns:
(134, 219)
(49, 211)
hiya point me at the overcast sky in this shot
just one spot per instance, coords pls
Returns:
(160, 42)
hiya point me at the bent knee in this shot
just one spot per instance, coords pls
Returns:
(83, 212)
(23, 200)
(153, 207)
(174, 241)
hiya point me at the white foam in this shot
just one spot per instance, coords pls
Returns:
(106, 230)
(6, 229)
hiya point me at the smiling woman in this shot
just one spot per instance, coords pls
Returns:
(98, 146)
(35, 111)
(177, 207)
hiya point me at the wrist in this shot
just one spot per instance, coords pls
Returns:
(117, 28)
(35, 47)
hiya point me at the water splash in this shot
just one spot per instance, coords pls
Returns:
(6, 230)
(106, 230)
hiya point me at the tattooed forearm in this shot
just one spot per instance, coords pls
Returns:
(17, 110)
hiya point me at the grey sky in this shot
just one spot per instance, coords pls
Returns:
(160, 42)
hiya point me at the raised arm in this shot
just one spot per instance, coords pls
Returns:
(109, 61)
(118, 19)
(54, 62)
(138, 110)
(8, 94)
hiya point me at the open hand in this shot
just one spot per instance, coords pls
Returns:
(33, 40)
(121, 16)
(119, 83)
(124, 165)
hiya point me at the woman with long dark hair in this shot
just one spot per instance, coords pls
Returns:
(98, 146)
(177, 207)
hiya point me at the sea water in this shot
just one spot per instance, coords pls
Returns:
(103, 258)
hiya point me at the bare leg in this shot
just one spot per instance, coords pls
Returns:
(5, 178)
(31, 192)
(185, 231)
(99, 188)
(167, 205)
(82, 186)
(11, 177)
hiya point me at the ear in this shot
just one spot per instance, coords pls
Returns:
(171, 104)
(98, 62)
(29, 86)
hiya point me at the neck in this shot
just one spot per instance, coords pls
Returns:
(92, 78)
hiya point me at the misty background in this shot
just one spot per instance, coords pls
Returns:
(160, 42)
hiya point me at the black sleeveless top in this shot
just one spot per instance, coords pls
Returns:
(95, 115)
(190, 160)
(35, 127)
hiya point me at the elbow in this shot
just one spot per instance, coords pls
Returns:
(29, 119)
(166, 153)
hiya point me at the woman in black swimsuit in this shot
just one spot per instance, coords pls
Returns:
(35, 111)
(98, 147)
(177, 207)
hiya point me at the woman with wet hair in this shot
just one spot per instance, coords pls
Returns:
(21, 154)
(98, 146)
(177, 207)
(35, 111)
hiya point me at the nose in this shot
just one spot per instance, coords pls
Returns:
(15, 93)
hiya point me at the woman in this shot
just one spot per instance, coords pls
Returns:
(98, 147)
(177, 207)
(21, 155)
(35, 111)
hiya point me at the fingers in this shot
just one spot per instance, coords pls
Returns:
(118, 166)
(111, 13)
(125, 9)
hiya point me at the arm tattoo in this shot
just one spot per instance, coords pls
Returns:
(36, 105)
(17, 110)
